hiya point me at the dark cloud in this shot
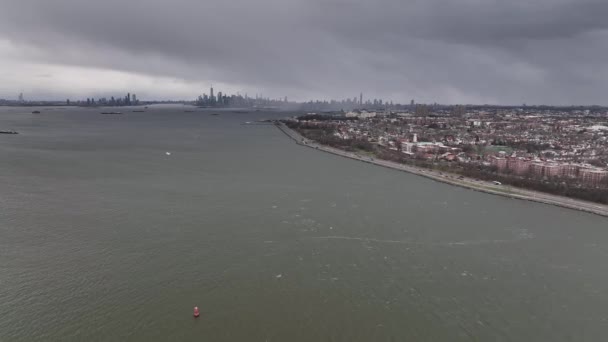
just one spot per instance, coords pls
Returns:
(543, 51)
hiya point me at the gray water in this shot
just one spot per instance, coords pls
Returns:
(105, 237)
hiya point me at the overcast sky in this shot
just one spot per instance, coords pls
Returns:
(446, 51)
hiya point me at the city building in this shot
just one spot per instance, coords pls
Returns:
(593, 177)
(544, 170)
(499, 162)
(569, 170)
(362, 114)
(518, 166)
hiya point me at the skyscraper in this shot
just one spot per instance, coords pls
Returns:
(21, 97)
(211, 94)
(361, 99)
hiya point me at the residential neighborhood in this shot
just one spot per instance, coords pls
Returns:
(550, 146)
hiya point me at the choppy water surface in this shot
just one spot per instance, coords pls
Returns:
(104, 236)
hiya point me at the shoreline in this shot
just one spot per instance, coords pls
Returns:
(451, 179)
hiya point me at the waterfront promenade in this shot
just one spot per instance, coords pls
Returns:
(484, 186)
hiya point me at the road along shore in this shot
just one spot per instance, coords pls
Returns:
(487, 187)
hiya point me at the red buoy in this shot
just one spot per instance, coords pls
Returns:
(196, 313)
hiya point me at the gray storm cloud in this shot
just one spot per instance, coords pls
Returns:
(449, 51)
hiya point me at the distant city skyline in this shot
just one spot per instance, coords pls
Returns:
(222, 99)
(232, 100)
(359, 100)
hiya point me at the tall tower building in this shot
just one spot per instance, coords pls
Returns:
(361, 99)
(211, 94)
